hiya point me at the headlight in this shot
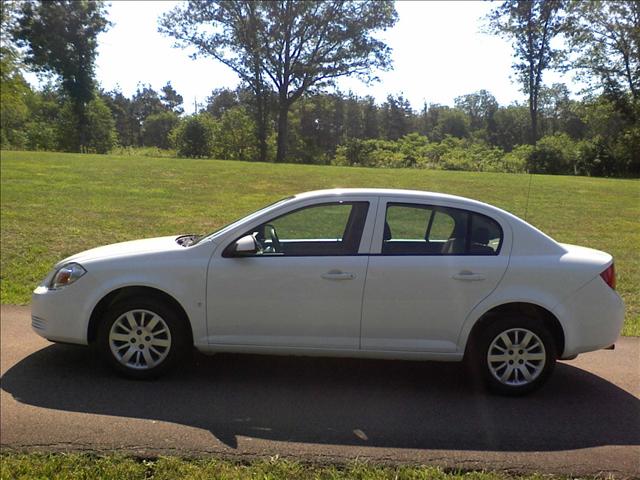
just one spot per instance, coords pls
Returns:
(66, 275)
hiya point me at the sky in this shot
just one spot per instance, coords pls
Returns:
(439, 53)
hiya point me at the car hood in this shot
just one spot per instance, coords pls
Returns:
(124, 249)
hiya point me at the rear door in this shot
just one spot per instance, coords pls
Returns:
(430, 265)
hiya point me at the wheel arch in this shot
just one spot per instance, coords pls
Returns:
(531, 310)
(130, 292)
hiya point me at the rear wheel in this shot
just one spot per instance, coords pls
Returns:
(142, 338)
(514, 355)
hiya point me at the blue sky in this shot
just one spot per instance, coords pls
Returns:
(439, 53)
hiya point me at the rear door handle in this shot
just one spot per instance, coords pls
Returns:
(338, 275)
(468, 276)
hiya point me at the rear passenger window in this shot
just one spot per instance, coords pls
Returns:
(486, 235)
(412, 229)
(442, 227)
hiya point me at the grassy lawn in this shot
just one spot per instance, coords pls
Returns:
(79, 466)
(55, 204)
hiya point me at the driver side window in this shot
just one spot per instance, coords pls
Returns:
(319, 230)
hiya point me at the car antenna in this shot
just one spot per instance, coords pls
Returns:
(526, 207)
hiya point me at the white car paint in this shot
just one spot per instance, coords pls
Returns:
(407, 307)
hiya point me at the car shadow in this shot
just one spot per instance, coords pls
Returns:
(396, 404)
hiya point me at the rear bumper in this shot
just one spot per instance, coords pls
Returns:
(591, 318)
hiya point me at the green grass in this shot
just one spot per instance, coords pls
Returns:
(55, 204)
(82, 466)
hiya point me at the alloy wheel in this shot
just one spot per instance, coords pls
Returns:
(516, 357)
(140, 339)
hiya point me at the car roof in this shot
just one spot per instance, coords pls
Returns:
(391, 192)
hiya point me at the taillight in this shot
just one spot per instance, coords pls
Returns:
(609, 276)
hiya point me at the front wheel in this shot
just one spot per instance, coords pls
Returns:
(514, 355)
(142, 338)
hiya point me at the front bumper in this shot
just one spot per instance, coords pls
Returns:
(58, 315)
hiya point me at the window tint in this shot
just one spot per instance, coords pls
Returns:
(327, 229)
(485, 235)
(408, 223)
(442, 226)
(326, 222)
(412, 229)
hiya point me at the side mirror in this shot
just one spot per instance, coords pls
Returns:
(246, 245)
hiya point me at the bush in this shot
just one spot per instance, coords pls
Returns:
(516, 160)
(416, 151)
(235, 137)
(100, 128)
(554, 154)
(194, 136)
(156, 129)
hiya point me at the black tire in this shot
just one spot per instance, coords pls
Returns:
(144, 311)
(517, 360)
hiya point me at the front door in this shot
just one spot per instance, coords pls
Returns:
(302, 289)
(433, 265)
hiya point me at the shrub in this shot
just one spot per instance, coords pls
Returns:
(516, 160)
(156, 129)
(194, 136)
(554, 154)
(234, 136)
(101, 131)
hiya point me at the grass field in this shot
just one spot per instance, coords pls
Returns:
(79, 466)
(55, 204)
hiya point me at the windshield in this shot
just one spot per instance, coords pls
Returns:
(233, 224)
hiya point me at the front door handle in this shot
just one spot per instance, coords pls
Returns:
(468, 276)
(338, 275)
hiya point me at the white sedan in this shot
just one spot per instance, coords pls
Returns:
(371, 273)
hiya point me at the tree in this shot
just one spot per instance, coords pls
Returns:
(292, 46)
(194, 136)
(479, 107)
(234, 136)
(100, 132)
(607, 35)
(530, 25)
(127, 126)
(60, 37)
(453, 122)
(511, 126)
(221, 100)
(144, 103)
(553, 105)
(370, 119)
(171, 99)
(396, 116)
(157, 127)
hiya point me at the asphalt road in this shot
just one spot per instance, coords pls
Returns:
(585, 421)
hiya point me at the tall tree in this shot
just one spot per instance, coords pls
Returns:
(60, 37)
(531, 25)
(479, 107)
(234, 42)
(221, 100)
(171, 99)
(607, 35)
(396, 117)
(290, 46)
(15, 90)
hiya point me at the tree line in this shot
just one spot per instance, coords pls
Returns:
(287, 53)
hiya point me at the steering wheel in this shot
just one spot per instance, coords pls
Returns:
(270, 233)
